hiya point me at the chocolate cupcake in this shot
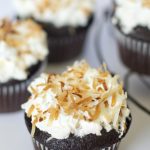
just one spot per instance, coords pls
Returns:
(66, 23)
(23, 54)
(81, 109)
(131, 21)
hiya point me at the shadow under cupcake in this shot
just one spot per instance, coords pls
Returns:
(23, 51)
(66, 23)
(81, 109)
(130, 19)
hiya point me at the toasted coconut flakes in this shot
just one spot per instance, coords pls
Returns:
(96, 113)
(34, 126)
(95, 83)
(113, 102)
(104, 74)
(62, 97)
(106, 104)
(77, 94)
(62, 84)
(33, 130)
(37, 118)
(84, 100)
(99, 89)
(146, 3)
(81, 117)
(25, 52)
(41, 119)
(33, 91)
(54, 113)
(47, 87)
(41, 84)
(120, 88)
(87, 11)
(85, 108)
(30, 111)
(50, 76)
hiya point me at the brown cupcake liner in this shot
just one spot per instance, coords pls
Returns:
(108, 141)
(14, 94)
(40, 146)
(66, 42)
(65, 48)
(135, 53)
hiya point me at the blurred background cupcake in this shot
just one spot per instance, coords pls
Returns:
(23, 51)
(65, 21)
(131, 19)
(62, 114)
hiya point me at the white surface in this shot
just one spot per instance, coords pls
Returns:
(13, 133)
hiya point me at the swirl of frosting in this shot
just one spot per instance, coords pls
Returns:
(58, 12)
(80, 101)
(22, 44)
(130, 14)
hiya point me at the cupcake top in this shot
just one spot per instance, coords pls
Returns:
(80, 101)
(130, 14)
(58, 12)
(22, 44)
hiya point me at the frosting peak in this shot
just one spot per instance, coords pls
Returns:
(78, 98)
(127, 17)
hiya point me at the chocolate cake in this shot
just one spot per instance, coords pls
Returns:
(88, 142)
(63, 114)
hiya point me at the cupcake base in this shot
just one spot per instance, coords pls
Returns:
(65, 48)
(14, 93)
(39, 146)
(108, 140)
(134, 52)
(66, 42)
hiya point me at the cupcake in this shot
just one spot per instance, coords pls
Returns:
(23, 54)
(65, 21)
(132, 25)
(81, 109)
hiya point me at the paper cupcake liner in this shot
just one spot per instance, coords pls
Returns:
(134, 53)
(66, 42)
(108, 141)
(65, 48)
(15, 94)
(40, 146)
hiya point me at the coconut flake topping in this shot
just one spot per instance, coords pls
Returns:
(80, 101)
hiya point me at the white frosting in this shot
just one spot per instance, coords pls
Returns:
(130, 14)
(59, 13)
(65, 124)
(30, 48)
